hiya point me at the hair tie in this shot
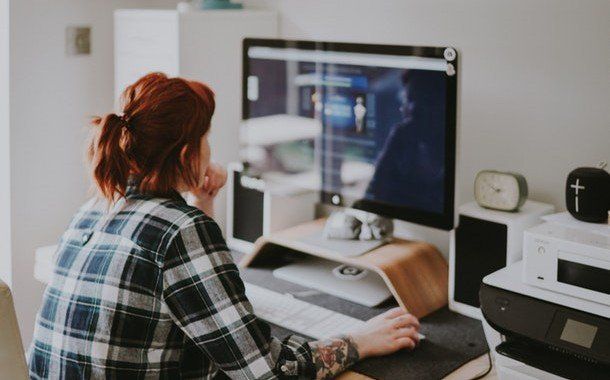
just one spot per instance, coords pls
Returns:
(125, 119)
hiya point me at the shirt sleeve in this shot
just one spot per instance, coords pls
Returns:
(206, 298)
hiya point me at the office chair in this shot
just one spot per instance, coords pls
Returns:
(12, 358)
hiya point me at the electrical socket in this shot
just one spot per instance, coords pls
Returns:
(78, 40)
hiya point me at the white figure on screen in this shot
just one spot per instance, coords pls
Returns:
(317, 104)
(359, 113)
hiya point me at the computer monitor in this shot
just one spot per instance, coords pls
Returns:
(373, 125)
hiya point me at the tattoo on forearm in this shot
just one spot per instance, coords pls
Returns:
(333, 356)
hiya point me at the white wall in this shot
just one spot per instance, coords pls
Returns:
(5, 201)
(535, 89)
(535, 94)
(52, 97)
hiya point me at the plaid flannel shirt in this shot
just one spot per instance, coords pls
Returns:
(147, 289)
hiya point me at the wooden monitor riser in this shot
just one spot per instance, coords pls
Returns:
(415, 272)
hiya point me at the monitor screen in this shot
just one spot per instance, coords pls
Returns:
(370, 126)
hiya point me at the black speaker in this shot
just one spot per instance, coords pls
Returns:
(485, 241)
(480, 250)
(247, 210)
(588, 194)
(255, 208)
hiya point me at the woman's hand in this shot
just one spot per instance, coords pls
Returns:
(386, 333)
(214, 180)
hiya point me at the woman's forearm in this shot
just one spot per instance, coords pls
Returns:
(333, 356)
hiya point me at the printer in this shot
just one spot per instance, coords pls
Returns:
(544, 334)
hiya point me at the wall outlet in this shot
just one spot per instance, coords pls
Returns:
(78, 40)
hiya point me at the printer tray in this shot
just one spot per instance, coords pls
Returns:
(552, 360)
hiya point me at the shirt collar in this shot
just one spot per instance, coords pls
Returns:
(133, 191)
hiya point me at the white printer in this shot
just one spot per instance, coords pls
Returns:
(544, 334)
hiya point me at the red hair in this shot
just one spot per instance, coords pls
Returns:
(156, 140)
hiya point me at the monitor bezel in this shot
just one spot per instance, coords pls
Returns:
(444, 220)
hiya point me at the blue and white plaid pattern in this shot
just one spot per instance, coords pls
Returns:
(147, 289)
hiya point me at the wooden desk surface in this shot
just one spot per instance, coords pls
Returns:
(467, 371)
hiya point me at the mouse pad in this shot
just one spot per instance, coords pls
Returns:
(452, 340)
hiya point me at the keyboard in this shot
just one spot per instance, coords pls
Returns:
(299, 316)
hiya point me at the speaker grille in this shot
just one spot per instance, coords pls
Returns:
(480, 249)
(247, 211)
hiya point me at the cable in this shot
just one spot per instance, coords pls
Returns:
(487, 371)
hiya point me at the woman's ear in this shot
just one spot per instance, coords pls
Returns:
(189, 173)
(204, 153)
(183, 154)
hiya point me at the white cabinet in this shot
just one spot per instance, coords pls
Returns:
(200, 45)
(144, 41)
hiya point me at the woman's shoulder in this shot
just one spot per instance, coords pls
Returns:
(88, 214)
(154, 223)
(193, 220)
(169, 214)
(178, 212)
(183, 219)
(195, 232)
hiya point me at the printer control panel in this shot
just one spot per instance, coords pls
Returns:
(579, 331)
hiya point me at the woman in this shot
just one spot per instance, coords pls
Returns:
(144, 285)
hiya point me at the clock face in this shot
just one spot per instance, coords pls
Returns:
(497, 190)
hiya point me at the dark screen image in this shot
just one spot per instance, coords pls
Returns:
(381, 131)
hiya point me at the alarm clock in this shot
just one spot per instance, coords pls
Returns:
(588, 194)
(504, 191)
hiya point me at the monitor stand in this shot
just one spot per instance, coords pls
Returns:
(351, 283)
(343, 247)
(414, 272)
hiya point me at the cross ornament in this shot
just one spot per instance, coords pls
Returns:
(576, 186)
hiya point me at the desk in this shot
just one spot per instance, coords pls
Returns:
(44, 269)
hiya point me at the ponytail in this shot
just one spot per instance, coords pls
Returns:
(157, 143)
(108, 154)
